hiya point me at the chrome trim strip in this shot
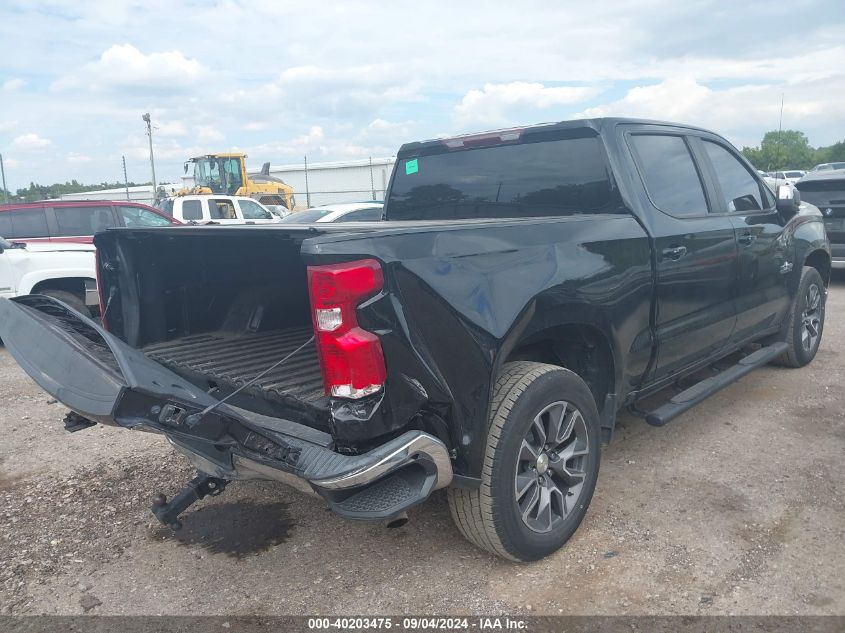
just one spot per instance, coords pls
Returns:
(421, 444)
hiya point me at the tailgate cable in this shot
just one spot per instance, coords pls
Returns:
(195, 418)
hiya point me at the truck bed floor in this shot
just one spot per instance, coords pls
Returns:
(233, 359)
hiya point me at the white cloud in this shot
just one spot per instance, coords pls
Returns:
(169, 128)
(12, 163)
(76, 158)
(123, 66)
(208, 134)
(10, 85)
(314, 136)
(743, 112)
(496, 103)
(30, 142)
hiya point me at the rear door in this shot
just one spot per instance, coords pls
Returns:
(695, 251)
(765, 261)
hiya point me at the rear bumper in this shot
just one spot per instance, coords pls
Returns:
(376, 485)
(102, 378)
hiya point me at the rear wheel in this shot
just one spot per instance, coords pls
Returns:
(73, 300)
(805, 320)
(540, 465)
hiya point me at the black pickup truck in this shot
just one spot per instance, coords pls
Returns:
(526, 285)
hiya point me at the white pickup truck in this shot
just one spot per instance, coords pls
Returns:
(62, 270)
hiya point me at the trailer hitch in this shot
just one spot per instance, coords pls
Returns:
(199, 487)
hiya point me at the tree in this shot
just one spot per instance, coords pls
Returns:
(787, 149)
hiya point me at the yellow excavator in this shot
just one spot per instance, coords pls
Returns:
(226, 174)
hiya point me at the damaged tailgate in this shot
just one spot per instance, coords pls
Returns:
(80, 364)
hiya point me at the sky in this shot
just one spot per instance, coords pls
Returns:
(347, 80)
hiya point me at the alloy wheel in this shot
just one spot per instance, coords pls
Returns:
(811, 318)
(551, 467)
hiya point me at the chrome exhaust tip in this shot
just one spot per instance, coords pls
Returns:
(397, 521)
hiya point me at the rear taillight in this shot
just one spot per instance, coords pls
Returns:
(351, 359)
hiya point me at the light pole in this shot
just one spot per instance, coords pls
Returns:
(146, 118)
(3, 172)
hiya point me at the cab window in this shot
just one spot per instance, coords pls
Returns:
(741, 191)
(139, 217)
(23, 223)
(191, 210)
(251, 210)
(669, 174)
(221, 209)
(72, 221)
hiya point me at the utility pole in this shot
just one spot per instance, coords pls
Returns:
(125, 179)
(780, 127)
(372, 181)
(3, 172)
(307, 191)
(146, 118)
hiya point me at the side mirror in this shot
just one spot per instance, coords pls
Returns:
(186, 168)
(789, 201)
(7, 245)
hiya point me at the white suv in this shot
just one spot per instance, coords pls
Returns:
(64, 270)
(217, 209)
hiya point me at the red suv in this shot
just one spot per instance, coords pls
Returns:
(65, 221)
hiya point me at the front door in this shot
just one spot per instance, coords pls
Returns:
(765, 262)
(695, 255)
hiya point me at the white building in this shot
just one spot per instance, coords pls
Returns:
(324, 183)
(140, 193)
(320, 183)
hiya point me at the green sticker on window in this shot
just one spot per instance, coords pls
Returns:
(411, 167)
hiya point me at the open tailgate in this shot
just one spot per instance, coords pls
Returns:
(78, 362)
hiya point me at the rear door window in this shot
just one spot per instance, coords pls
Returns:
(191, 210)
(73, 221)
(23, 223)
(669, 174)
(6, 225)
(741, 191)
(221, 209)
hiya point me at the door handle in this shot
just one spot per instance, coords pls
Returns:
(747, 239)
(675, 252)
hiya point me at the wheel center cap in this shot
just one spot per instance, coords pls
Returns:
(542, 463)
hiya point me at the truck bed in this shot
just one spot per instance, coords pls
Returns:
(230, 360)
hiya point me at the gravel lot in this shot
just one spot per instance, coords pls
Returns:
(737, 507)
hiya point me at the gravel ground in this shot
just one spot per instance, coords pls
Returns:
(737, 507)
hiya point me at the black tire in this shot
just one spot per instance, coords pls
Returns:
(73, 300)
(803, 319)
(490, 516)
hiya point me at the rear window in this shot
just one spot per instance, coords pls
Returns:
(23, 223)
(309, 215)
(832, 184)
(542, 178)
(82, 220)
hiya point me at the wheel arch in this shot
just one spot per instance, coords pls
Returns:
(584, 347)
(68, 284)
(820, 260)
